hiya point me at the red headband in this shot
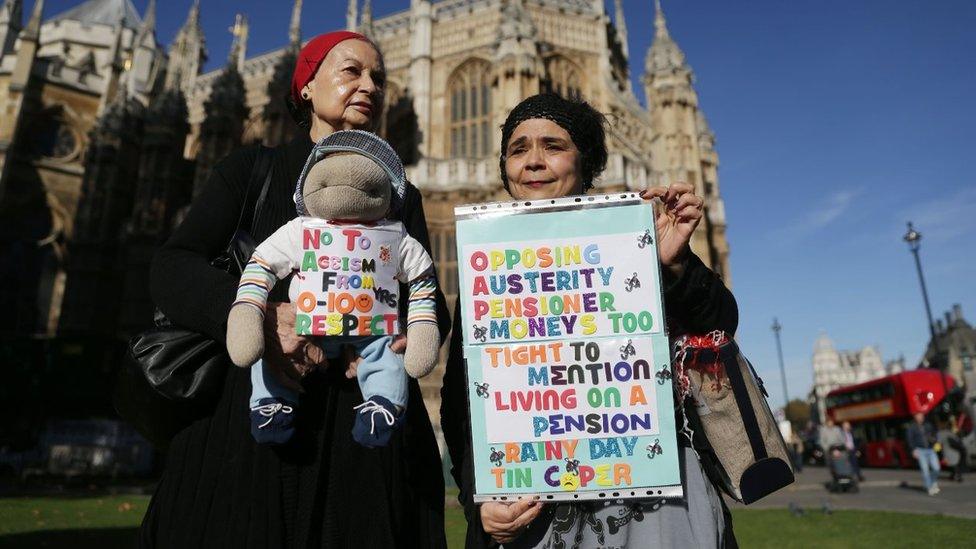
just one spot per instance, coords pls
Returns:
(311, 56)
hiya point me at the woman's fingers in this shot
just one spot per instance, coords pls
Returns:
(671, 195)
(651, 193)
(505, 522)
(689, 207)
(688, 213)
(511, 517)
(281, 316)
(495, 513)
(523, 521)
(399, 345)
(352, 361)
(499, 516)
(510, 521)
(353, 369)
(688, 199)
(520, 507)
(292, 344)
(680, 204)
(494, 516)
(677, 189)
(314, 355)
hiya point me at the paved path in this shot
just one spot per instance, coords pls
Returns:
(882, 490)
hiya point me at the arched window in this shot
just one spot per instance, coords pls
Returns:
(469, 90)
(443, 247)
(563, 78)
(51, 136)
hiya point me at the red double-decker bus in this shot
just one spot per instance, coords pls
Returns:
(879, 411)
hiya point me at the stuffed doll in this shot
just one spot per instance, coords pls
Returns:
(350, 183)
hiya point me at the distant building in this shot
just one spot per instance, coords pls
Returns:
(954, 345)
(834, 368)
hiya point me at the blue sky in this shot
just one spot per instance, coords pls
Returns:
(836, 122)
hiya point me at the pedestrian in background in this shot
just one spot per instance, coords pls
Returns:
(921, 439)
(852, 449)
(796, 443)
(830, 436)
(952, 450)
(963, 428)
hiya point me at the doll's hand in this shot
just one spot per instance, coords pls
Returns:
(245, 343)
(290, 357)
(423, 341)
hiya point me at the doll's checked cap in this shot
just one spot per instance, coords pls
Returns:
(359, 142)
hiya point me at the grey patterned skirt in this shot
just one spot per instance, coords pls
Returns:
(697, 520)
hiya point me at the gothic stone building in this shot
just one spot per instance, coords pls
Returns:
(954, 350)
(105, 134)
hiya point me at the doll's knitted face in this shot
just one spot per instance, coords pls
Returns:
(347, 186)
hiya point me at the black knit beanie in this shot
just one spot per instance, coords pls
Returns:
(582, 122)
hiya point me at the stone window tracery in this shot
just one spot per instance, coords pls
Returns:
(51, 136)
(444, 251)
(563, 78)
(469, 93)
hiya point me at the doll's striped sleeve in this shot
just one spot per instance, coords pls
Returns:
(256, 282)
(422, 305)
(272, 260)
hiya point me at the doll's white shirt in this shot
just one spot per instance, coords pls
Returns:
(283, 249)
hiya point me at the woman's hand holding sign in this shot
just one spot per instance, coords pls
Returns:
(506, 521)
(675, 221)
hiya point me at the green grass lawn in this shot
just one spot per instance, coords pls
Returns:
(111, 521)
(777, 528)
(65, 522)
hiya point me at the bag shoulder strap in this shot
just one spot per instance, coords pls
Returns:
(254, 198)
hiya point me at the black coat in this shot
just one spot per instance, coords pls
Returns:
(698, 302)
(221, 489)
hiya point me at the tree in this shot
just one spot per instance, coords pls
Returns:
(798, 412)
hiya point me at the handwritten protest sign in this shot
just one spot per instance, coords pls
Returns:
(347, 283)
(567, 355)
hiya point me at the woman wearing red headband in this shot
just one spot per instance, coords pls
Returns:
(220, 488)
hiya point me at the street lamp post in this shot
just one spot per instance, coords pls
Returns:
(914, 238)
(782, 369)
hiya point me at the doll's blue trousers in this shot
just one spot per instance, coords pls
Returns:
(380, 373)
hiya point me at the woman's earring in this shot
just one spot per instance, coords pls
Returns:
(305, 95)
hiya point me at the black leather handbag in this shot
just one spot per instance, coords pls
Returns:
(171, 376)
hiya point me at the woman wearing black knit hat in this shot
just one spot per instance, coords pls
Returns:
(573, 147)
(553, 147)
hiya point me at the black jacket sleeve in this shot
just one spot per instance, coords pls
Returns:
(183, 284)
(697, 302)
